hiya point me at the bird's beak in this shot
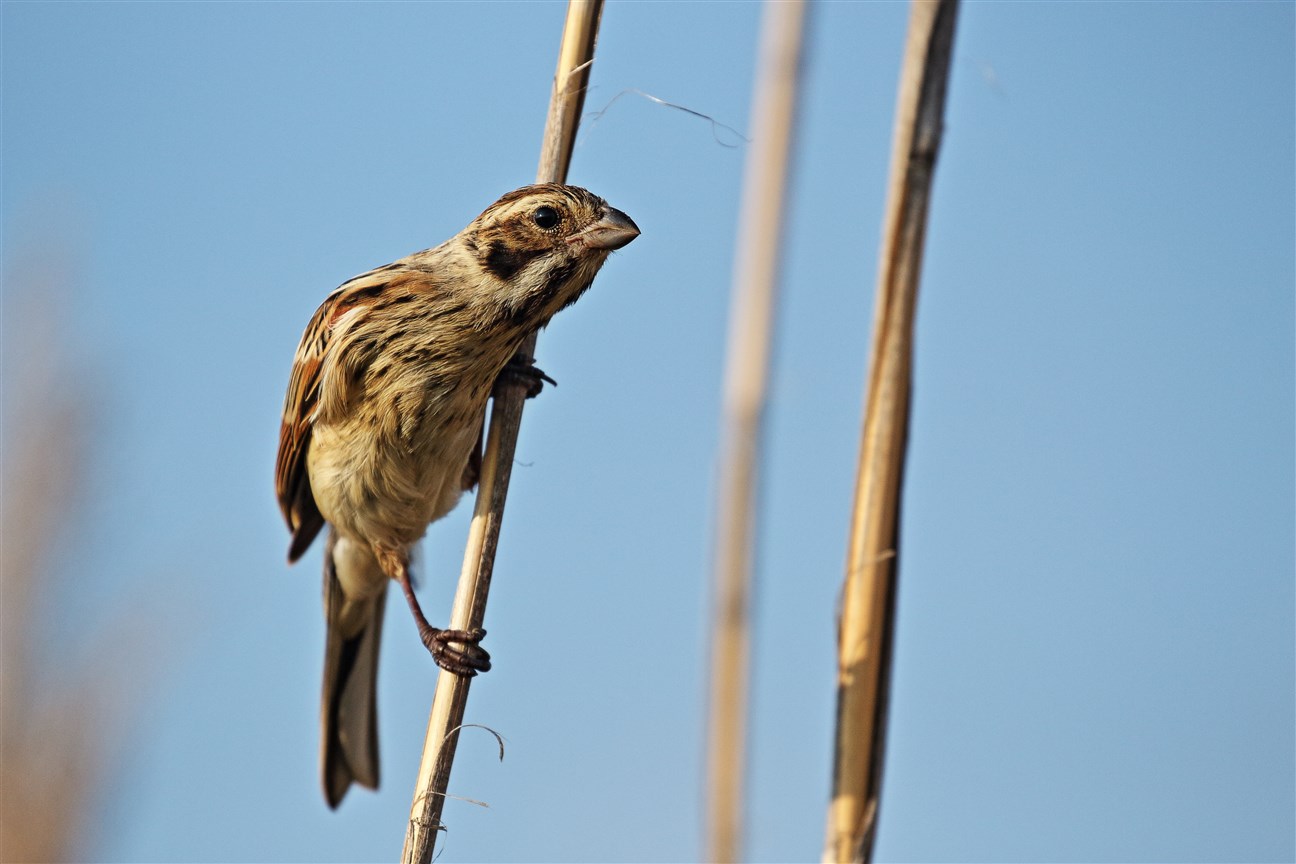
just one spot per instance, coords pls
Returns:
(613, 231)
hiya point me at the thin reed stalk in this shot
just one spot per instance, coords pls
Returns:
(575, 56)
(755, 295)
(868, 607)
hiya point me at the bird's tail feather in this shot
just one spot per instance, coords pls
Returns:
(349, 710)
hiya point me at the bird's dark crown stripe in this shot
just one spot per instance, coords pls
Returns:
(540, 191)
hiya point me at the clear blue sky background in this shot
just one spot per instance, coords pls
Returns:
(1095, 650)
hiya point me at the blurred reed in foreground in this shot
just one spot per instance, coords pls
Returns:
(60, 702)
(750, 348)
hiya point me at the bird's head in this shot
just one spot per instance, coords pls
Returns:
(539, 247)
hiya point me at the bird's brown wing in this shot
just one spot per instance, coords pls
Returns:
(292, 483)
(319, 383)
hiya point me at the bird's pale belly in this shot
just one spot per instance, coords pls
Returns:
(384, 489)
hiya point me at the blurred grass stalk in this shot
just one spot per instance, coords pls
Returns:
(61, 706)
(571, 78)
(52, 745)
(751, 325)
(868, 604)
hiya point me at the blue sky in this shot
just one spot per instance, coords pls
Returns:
(1096, 623)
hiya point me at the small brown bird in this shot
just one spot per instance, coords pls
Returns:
(382, 424)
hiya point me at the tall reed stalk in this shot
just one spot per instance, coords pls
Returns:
(575, 56)
(751, 327)
(868, 607)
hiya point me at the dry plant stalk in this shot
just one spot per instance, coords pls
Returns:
(52, 743)
(755, 294)
(62, 703)
(571, 78)
(867, 622)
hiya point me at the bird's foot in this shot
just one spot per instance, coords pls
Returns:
(458, 651)
(523, 372)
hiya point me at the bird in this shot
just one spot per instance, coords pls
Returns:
(383, 418)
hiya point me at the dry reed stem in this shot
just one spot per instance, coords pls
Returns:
(571, 78)
(867, 622)
(755, 294)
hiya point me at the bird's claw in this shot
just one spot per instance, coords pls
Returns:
(458, 651)
(523, 372)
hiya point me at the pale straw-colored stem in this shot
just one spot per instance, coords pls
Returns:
(751, 325)
(868, 603)
(571, 78)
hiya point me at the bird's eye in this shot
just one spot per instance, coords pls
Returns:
(545, 217)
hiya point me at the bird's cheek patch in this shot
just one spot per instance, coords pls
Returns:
(504, 261)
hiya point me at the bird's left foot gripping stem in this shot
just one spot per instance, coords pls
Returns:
(522, 371)
(465, 661)
(457, 651)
